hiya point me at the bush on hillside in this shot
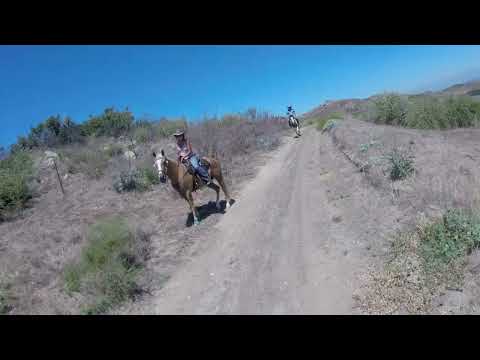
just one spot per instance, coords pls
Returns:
(321, 122)
(401, 164)
(450, 238)
(391, 109)
(52, 132)
(135, 180)
(424, 112)
(15, 172)
(462, 112)
(110, 123)
(108, 266)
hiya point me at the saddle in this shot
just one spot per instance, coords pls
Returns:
(197, 182)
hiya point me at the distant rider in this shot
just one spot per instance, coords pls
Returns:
(291, 114)
(185, 153)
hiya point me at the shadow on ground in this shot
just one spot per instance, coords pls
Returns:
(204, 211)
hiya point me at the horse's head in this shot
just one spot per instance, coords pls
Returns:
(161, 165)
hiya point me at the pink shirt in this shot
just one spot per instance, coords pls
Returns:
(184, 149)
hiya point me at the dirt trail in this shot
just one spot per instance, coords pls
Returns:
(293, 243)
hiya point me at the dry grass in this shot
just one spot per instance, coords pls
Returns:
(229, 137)
(91, 160)
(399, 286)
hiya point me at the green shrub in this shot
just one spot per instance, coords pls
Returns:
(19, 163)
(110, 123)
(443, 113)
(15, 172)
(130, 180)
(449, 238)
(70, 132)
(108, 266)
(136, 180)
(424, 111)
(330, 124)
(462, 111)
(321, 122)
(401, 164)
(52, 132)
(391, 109)
(150, 176)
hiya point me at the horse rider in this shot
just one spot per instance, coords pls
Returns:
(292, 119)
(291, 114)
(186, 154)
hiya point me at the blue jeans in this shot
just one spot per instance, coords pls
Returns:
(194, 160)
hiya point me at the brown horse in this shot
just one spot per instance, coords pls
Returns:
(185, 183)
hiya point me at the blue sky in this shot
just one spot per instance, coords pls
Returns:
(193, 81)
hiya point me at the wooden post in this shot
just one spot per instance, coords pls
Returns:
(58, 175)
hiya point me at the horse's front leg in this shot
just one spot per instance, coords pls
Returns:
(192, 208)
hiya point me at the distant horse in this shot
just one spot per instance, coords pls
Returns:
(185, 183)
(294, 123)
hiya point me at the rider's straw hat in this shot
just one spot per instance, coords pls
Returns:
(179, 132)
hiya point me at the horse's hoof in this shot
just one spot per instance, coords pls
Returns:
(196, 222)
(228, 205)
